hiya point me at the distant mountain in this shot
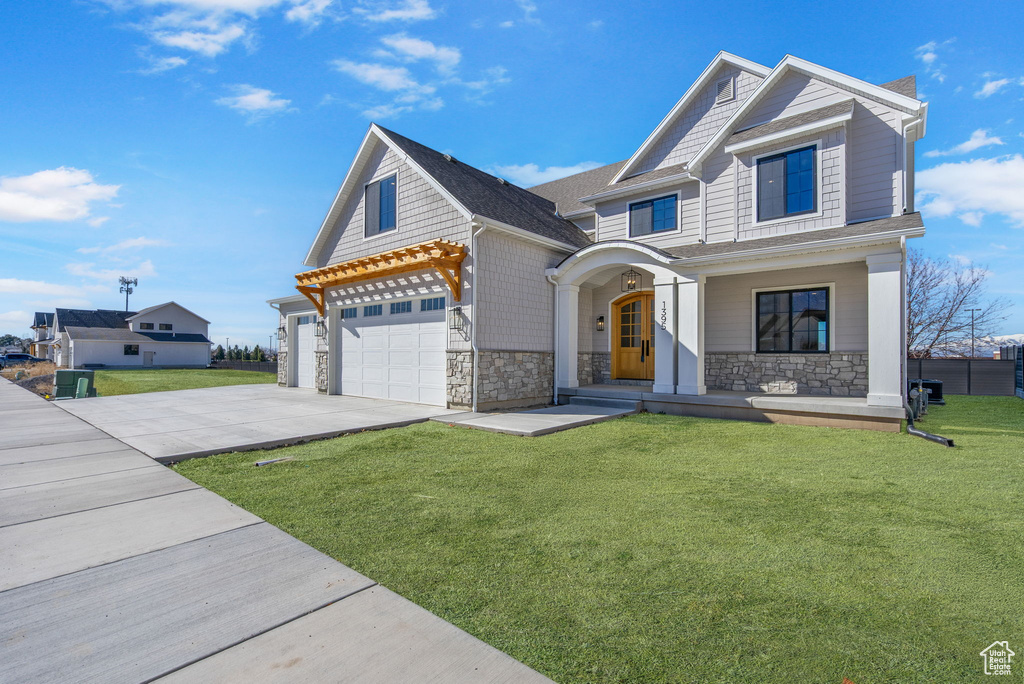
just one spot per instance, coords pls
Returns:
(984, 347)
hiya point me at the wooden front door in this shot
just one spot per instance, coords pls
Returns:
(633, 341)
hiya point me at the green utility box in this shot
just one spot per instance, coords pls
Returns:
(66, 382)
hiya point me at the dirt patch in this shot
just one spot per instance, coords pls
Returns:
(40, 384)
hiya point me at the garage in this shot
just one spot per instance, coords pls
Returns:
(302, 351)
(395, 350)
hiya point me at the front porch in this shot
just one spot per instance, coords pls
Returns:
(790, 409)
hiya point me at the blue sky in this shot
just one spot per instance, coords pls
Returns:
(197, 144)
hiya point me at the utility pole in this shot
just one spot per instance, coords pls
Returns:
(127, 286)
(972, 330)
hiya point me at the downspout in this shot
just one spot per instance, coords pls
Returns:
(472, 331)
(554, 342)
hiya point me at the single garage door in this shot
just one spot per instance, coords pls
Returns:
(302, 351)
(395, 351)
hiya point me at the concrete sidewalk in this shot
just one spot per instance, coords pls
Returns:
(114, 568)
(173, 426)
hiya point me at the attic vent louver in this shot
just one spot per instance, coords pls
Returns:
(503, 181)
(449, 158)
(724, 90)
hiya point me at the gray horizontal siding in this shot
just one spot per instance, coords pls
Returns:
(729, 312)
(613, 217)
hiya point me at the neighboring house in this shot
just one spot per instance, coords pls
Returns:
(753, 244)
(165, 336)
(42, 340)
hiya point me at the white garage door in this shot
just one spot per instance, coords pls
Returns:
(395, 351)
(303, 351)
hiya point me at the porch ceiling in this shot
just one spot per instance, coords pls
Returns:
(441, 255)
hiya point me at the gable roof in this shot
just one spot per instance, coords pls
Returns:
(474, 193)
(904, 103)
(689, 96)
(42, 320)
(838, 110)
(151, 309)
(904, 86)
(490, 197)
(566, 192)
(100, 318)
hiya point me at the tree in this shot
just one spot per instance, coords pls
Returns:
(257, 354)
(218, 353)
(940, 296)
(246, 354)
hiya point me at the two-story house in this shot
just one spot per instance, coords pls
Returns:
(42, 335)
(748, 260)
(162, 336)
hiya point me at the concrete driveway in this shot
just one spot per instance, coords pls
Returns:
(173, 426)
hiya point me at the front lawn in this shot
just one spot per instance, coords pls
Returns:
(112, 382)
(656, 548)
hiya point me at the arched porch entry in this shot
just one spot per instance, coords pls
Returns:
(592, 311)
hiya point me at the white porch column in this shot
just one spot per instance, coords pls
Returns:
(665, 335)
(690, 324)
(885, 326)
(567, 322)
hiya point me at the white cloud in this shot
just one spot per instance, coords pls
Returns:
(492, 77)
(972, 189)
(143, 270)
(43, 288)
(61, 194)
(992, 87)
(208, 43)
(929, 56)
(10, 319)
(125, 245)
(309, 12)
(507, 24)
(408, 10)
(595, 24)
(98, 221)
(254, 102)
(528, 175)
(378, 75)
(980, 138)
(414, 49)
(158, 66)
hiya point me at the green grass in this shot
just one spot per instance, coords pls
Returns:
(656, 548)
(112, 382)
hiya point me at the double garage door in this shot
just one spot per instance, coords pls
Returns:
(394, 351)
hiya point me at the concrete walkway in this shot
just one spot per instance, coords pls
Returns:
(114, 568)
(173, 426)
(540, 421)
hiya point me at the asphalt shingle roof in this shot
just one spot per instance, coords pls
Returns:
(126, 335)
(484, 194)
(565, 192)
(780, 125)
(904, 86)
(42, 319)
(100, 318)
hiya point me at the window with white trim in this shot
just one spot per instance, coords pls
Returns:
(793, 321)
(145, 326)
(350, 312)
(131, 350)
(373, 310)
(380, 210)
(787, 184)
(401, 307)
(166, 326)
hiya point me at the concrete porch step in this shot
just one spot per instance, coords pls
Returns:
(624, 404)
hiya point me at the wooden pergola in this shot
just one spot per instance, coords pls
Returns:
(443, 256)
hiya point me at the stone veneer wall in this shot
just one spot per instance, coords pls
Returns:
(460, 379)
(282, 368)
(595, 368)
(836, 374)
(321, 370)
(506, 378)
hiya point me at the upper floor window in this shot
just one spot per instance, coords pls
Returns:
(166, 326)
(350, 312)
(786, 184)
(793, 321)
(145, 326)
(401, 307)
(652, 216)
(381, 206)
(373, 310)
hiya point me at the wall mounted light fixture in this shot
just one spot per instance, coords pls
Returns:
(455, 321)
(600, 324)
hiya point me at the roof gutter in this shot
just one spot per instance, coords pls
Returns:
(522, 234)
